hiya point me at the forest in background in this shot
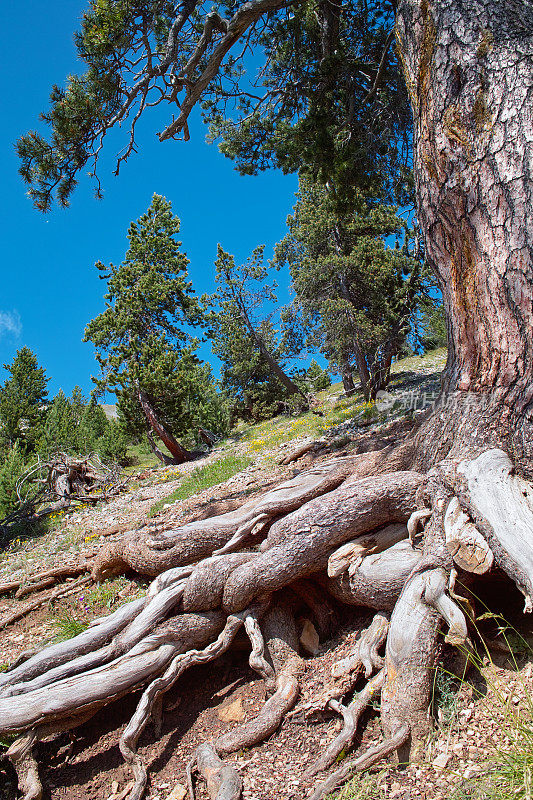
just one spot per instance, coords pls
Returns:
(361, 293)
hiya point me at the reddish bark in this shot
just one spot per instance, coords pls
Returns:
(179, 453)
(469, 70)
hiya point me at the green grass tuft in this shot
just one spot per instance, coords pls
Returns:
(204, 477)
(108, 593)
(68, 626)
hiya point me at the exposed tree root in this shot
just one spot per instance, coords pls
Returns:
(26, 585)
(366, 651)
(200, 539)
(300, 543)
(365, 761)
(282, 645)
(21, 756)
(501, 506)
(181, 662)
(336, 518)
(308, 446)
(40, 601)
(351, 715)
(151, 555)
(223, 781)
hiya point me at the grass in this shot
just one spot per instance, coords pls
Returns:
(140, 456)
(506, 771)
(434, 359)
(446, 688)
(108, 594)
(68, 626)
(273, 432)
(203, 478)
(336, 409)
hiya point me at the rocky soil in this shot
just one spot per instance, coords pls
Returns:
(477, 714)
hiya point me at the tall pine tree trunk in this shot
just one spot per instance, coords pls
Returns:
(179, 453)
(348, 381)
(469, 71)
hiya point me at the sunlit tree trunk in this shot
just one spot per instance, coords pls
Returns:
(178, 452)
(469, 71)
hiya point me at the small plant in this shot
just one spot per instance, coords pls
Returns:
(68, 626)
(203, 478)
(106, 593)
(361, 787)
(446, 689)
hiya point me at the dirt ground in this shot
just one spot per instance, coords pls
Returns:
(471, 716)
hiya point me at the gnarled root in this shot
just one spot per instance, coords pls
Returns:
(351, 715)
(282, 646)
(192, 614)
(365, 653)
(365, 761)
(300, 544)
(196, 540)
(180, 663)
(501, 505)
(222, 780)
(379, 578)
(21, 756)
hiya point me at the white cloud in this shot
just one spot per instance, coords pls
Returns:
(10, 323)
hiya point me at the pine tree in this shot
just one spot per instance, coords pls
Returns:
(60, 434)
(93, 425)
(11, 469)
(23, 399)
(254, 371)
(316, 377)
(357, 295)
(142, 340)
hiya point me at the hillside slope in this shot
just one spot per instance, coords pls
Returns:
(479, 714)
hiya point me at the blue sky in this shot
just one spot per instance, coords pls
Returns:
(50, 288)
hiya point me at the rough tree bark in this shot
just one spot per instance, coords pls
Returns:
(452, 491)
(178, 452)
(469, 70)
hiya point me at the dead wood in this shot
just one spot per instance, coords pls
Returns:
(47, 598)
(312, 445)
(35, 582)
(55, 484)
(333, 516)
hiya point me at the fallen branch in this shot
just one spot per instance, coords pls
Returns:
(25, 610)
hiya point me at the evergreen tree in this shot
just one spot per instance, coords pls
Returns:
(316, 377)
(11, 469)
(187, 400)
(254, 372)
(112, 445)
(23, 398)
(246, 376)
(60, 432)
(141, 338)
(330, 98)
(357, 295)
(93, 426)
(433, 329)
